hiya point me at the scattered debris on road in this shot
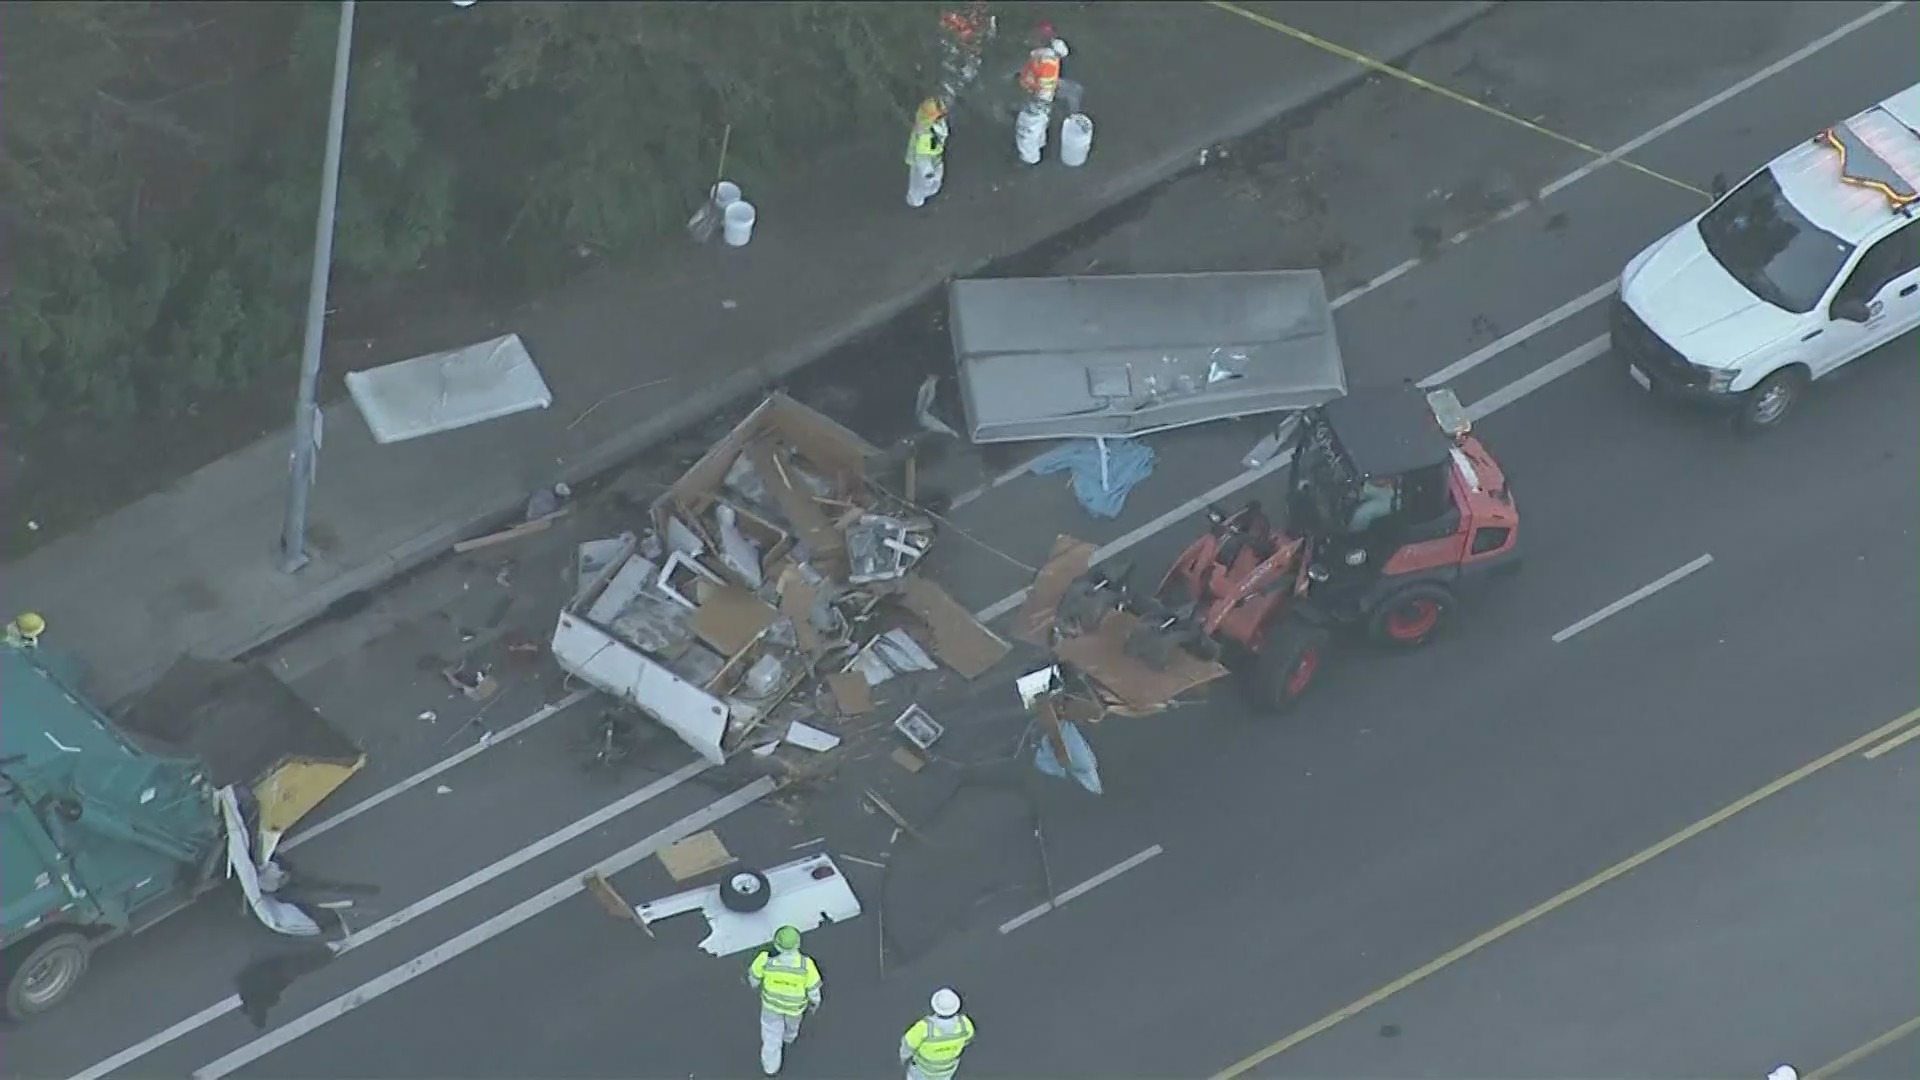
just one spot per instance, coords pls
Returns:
(919, 727)
(778, 561)
(478, 684)
(1095, 647)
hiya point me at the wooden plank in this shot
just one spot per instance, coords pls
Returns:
(959, 641)
(525, 528)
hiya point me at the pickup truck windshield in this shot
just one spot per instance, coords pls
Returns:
(1770, 247)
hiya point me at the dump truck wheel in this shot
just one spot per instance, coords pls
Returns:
(45, 975)
(745, 891)
(1412, 616)
(1287, 664)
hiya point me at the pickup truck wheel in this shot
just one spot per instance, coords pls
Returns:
(1767, 404)
(46, 975)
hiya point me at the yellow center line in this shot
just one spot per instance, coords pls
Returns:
(1446, 960)
(1865, 1050)
(1451, 95)
(1894, 743)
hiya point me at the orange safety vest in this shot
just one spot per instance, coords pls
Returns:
(1041, 76)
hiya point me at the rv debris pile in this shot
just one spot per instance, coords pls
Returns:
(771, 589)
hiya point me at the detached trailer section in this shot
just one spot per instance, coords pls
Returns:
(1124, 355)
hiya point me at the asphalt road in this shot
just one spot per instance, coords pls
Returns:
(1419, 801)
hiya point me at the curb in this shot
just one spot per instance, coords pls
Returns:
(690, 411)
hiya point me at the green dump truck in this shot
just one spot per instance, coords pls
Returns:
(109, 825)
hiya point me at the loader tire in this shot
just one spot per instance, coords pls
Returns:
(1286, 666)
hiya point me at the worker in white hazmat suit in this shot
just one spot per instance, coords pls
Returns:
(1040, 82)
(789, 985)
(926, 153)
(932, 1046)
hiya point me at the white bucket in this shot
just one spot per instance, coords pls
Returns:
(724, 194)
(737, 223)
(1076, 140)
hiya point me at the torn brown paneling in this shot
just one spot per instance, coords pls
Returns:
(1069, 559)
(959, 640)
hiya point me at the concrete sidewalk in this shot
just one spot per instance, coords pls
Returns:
(835, 253)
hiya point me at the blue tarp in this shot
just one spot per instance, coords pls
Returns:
(1128, 463)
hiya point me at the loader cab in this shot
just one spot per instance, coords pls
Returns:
(1370, 474)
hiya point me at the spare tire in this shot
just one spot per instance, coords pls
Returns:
(745, 891)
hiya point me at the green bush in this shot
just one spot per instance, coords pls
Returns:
(159, 203)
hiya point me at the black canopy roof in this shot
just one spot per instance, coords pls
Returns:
(1387, 431)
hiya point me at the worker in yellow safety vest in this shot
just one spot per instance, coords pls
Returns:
(789, 984)
(931, 1047)
(926, 153)
(24, 630)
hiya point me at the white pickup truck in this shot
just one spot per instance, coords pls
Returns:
(1805, 265)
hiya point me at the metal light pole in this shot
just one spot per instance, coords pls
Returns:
(293, 539)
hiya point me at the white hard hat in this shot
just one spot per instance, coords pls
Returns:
(1059, 47)
(947, 1003)
(1784, 1072)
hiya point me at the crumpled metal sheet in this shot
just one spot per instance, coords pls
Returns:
(1086, 357)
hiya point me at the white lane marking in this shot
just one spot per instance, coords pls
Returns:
(1893, 744)
(1628, 147)
(1726, 95)
(1634, 597)
(1499, 399)
(1388, 277)
(377, 930)
(997, 482)
(539, 716)
(481, 933)
(1538, 377)
(1501, 344)
(1081, 889)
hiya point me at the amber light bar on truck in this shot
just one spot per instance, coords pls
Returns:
(1900, 200)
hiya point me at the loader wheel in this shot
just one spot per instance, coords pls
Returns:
(45, 976)
(1412, 616)
(745, 891)
(1286, 665)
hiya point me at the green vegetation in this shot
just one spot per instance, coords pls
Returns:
(159, 168)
